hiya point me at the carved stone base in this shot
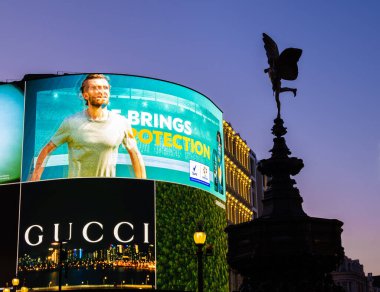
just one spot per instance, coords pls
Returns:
(294, 254)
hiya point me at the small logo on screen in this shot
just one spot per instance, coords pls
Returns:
(199, 173)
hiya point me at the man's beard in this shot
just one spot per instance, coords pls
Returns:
(98, 104)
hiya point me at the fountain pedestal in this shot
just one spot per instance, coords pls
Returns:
(284, 249)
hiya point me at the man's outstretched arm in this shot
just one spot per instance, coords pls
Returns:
(137, 162)
(39, 168)
(136, 157)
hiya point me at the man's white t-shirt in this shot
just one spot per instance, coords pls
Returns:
(93, 144)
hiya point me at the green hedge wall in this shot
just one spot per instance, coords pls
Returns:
(178, 209)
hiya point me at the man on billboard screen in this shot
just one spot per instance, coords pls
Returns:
(93, 136)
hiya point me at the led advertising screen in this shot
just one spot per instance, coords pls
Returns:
(11, 121)
(119, 233)
(101, 230)
(112, 174)
(9, 200)
(95, 125)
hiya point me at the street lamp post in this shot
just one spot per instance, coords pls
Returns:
(6, 289)
(200, 239)
(23, 287)
(15, 283)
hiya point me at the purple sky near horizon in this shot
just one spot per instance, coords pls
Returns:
(215, 47)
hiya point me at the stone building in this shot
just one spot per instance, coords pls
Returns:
(244, 184)
(350, 275)
(373, 283)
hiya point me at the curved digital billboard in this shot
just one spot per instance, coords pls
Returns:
(95, 125)
(11, 121)
(114, 173)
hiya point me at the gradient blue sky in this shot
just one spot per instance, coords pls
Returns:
(215, 47)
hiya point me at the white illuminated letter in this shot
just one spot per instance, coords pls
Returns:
(40, 237)
(146, 119)
(71, 227)
(188, 130)
(56, 232)
(116, 232)
(133, 117)
(56, 227)
(85, 235)
(178, 125)
(146, 235)
(166, 122)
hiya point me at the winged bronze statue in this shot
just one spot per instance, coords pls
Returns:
(281, 66)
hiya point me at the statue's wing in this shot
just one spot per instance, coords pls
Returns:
(287, 63)
(271, 50)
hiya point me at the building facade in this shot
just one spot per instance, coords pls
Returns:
(373, 283)
(244, 185)
(351, 277)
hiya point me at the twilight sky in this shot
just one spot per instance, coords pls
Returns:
(215, 47)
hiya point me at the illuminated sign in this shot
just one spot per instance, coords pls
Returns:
(119, 232)
(65, 133)
(85, 235)
(102, 232)
(122, 126)
(11, 121)
(199, 173)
